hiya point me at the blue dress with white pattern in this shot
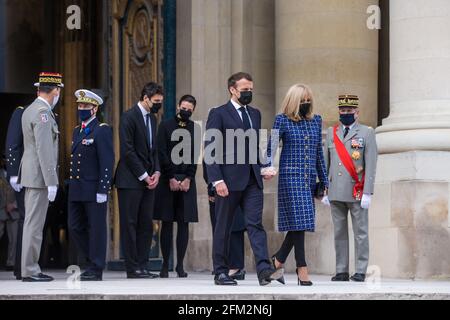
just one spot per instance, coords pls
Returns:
(301, 163)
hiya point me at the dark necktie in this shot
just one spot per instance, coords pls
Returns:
(149, 132)
(346, 131)
(245, 118)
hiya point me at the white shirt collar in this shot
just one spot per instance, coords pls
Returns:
(144, 112)
(89, 121)
(45, 101)
(350, 127)
(236, 105)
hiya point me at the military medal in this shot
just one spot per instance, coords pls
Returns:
(359, 170)
(356, 155)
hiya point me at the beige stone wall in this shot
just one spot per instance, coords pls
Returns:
(327, 45)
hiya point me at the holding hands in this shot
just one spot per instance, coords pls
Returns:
(268, 173)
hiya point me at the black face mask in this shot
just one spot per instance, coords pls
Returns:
(185, 115)
(305, 109)
(347, 119)
(156, 107)
(246, 98)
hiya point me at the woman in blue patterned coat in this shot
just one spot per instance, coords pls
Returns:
(301, 163)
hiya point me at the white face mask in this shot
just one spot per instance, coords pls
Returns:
(55, 101)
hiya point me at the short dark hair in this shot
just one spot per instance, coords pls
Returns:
(188, 98)
(151, 89)
(47, 89)
(237, 77)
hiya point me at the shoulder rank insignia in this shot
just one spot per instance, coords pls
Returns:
(44, 118)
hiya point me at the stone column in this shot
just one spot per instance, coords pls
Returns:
(410, 220)
(327, 45)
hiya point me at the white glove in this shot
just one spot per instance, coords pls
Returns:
(52, 190)
(326, 201)
(365, 201)
(102, 198)
(13, 182)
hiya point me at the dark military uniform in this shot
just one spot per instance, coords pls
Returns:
(91, 172)
(14, 153)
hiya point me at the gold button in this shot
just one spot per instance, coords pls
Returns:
(78, 178)
(71, 155)
(340, 164)
(79, 155)
(340, 174)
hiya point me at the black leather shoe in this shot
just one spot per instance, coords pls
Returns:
(240, 275)
(224, 280)
(138, 274)
(91, 276)
(341, 277)
(18, 278)
(268, 275)
(38, 278)
(358, 277)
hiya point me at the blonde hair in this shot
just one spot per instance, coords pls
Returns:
(291, 103)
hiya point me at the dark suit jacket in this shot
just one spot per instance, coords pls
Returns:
(136, 156)
(236, 176)
(14, 143)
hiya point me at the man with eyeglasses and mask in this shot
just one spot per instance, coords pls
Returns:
(351, 158)
(39, 170)
(137, 177)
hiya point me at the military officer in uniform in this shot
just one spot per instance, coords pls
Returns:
(38, 171)
(14, 153)
(351, 159)
(91, 169)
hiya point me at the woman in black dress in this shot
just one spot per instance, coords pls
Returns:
(176, 195)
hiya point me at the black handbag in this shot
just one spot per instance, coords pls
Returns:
(319, 192)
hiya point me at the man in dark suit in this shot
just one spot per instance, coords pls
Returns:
(14, 153)
(236, 174)
(137, 177)
(91, 170)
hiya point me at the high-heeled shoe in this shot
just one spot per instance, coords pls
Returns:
(181, 273)
(301, 282)
(280, 280)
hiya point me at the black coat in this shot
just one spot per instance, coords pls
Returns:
(14, 143)
(165, 201)
(136, 156)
